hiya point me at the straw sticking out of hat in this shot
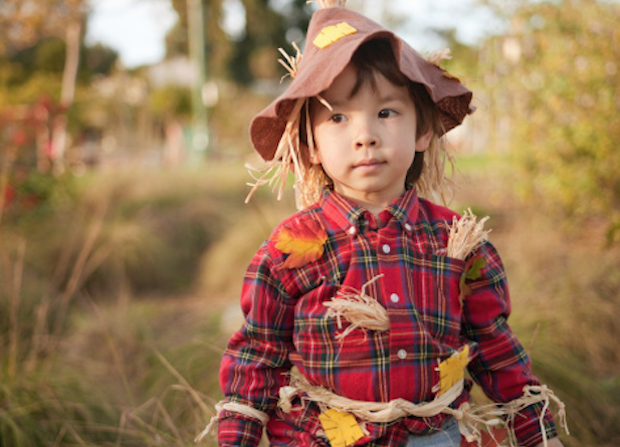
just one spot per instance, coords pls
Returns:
(291, 63)
(328, 3)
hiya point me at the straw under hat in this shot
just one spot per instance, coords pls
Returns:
(334, 34)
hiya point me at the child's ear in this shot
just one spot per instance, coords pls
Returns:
(424, 141)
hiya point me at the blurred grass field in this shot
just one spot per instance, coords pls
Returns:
(117, 301)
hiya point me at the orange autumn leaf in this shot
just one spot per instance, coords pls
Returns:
(304, 243)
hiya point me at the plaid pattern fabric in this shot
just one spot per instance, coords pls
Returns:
(287, 325)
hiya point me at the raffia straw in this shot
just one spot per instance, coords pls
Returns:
(437, 57)
(434, 184)
(359, 309)
(323, 4)
(290, 63)
(535, 394)
(466, 234)
(471, 419)
(234, 408)
(380, 412)
(277, 171)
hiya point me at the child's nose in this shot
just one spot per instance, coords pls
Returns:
(366, 136)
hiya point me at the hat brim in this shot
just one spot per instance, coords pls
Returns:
(320, 66)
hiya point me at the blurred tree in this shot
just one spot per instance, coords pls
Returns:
(96, 60)
(252, 52)
(24, 23)
(556, 89)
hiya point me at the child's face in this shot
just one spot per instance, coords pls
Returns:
(367, 143)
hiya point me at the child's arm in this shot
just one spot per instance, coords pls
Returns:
(501, 366)
(254, 365)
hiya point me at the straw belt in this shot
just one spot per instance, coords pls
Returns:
(365, 411)
(471, 419)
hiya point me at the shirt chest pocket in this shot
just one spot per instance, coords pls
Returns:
(435, 282)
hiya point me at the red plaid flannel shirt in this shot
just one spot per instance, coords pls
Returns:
(287, 325)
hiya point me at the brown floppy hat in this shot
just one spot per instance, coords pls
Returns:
(334, 34)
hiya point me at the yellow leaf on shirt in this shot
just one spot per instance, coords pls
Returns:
(303, 243)
(452, 369)
(342, 428)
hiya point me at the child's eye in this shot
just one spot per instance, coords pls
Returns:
(337, 118)
(387, 113)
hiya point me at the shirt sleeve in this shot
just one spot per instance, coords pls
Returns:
(502, 367)
(255, 363)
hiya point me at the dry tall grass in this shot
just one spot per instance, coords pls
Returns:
(565, 291)
(112, 308)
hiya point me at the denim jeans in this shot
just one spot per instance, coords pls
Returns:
(447, 436)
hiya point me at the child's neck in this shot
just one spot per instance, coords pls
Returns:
(372, 208)
(372, 204)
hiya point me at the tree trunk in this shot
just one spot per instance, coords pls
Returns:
(67, 94)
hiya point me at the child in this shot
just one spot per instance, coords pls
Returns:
(361, 315)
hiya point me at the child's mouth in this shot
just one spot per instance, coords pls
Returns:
(369, 165)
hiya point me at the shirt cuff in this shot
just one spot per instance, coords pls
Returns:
(237, 430)
(527, 425)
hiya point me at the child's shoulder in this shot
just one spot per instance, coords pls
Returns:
(433, 212)
(308, 217)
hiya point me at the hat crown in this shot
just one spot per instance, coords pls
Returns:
(334, 35)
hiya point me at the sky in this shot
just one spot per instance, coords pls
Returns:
(136, 29)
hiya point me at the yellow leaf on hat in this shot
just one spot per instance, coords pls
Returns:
(342, 428)
(331, 34)
(452, 369)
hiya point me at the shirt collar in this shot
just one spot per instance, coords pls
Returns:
(345, 213)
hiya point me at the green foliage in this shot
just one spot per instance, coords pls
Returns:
(253, 54)
(37, 195)
(23, 23)
(171, 101)
(561, 96)
(97, 60)
(36, 71)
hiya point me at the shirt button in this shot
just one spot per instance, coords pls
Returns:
(408, 227)
(394, 298)
(386, 249)
(352, 231)
(402, 354)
